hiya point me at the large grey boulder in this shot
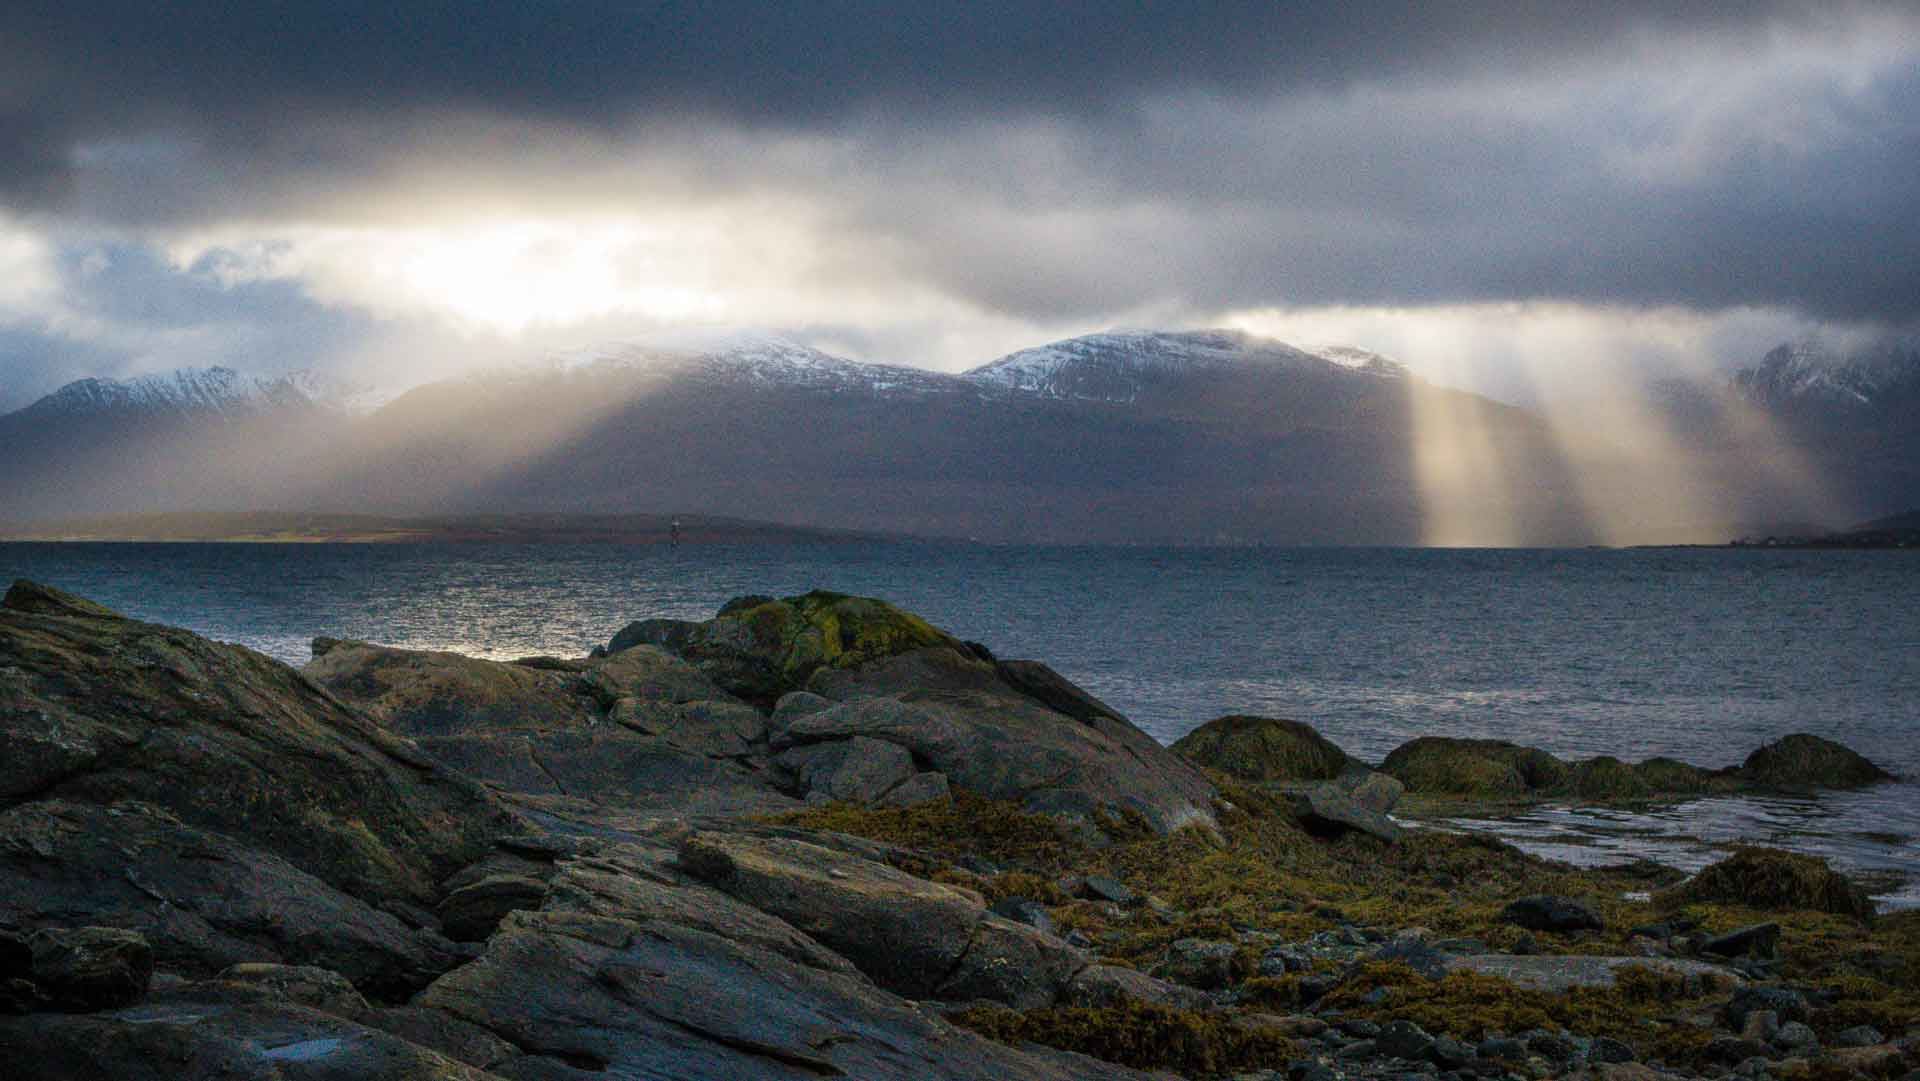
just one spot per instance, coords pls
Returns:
(905, 933)
(641, 728)
(857, 770)
(203, 901)
(993, 741)
(97, 708)
(630, 1001)
(1011, 730)
(185, 1037)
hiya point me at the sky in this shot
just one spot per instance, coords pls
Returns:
(1523, 198)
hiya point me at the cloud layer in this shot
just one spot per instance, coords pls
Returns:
(318, 183)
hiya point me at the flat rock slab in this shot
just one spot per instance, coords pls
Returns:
(1564, 973)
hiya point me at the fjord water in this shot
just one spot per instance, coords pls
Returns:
(1698, 654)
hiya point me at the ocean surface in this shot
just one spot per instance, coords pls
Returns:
(1699, 654)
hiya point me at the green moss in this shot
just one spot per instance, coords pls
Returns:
(1263, 749)
(1480, 768)
(1262, 873)
(1470, 1005)
(1140, 1035)
(1804, 761)
(1765, 878)
(822, 629)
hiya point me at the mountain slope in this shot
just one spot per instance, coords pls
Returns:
(1807, 375)
(1133, 367)
(1127, 437)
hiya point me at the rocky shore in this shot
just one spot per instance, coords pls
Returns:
(819, 837)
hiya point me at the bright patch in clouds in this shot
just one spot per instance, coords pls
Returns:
(497, 276)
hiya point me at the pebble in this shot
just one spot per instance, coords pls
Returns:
(1793, 1035)
(1858, 1036)
(1608, 1049)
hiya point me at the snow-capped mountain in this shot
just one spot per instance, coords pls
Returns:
(734, 359)
(1809, 374)
(1119, 365)
(188, 392)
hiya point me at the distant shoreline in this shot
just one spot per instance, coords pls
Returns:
(294, 528)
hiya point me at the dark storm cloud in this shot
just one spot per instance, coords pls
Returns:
(98, 63)
(1194, 157)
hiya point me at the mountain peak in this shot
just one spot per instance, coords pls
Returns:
(215, 390)
(1115, 366)
(1813, 373)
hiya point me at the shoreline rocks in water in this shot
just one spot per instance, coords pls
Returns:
(817, 837)
(1273, 751)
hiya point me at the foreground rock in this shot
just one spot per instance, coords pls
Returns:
(1010, 730)
(1328, 808)
(1264, 749)
(282, 869)
(643, 730)
(96, 708)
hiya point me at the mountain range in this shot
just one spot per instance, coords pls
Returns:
(1122, 437)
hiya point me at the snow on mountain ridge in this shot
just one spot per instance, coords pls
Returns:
(218, 390)
(739, 358)
(1809, 372)
(1113, 366)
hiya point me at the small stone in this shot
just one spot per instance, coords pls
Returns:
(1734, 1049)
(1357, 1049)
(1608, 1049)
(1858, 1036)
(1760, 1025)
(1552, 1047)
(1310, 1071)
(1102, 888)
(1548, 913)
(1198, 963)
(1360, 1028)
(1502, 1048)
(1449, 1053)
(1021, 910)
(1786, 1005)
(1404, 1039)
(91, 968)
(1794, 1036)
(1760, 940)
(1078, 939)
(1279, 961)
(1315, 987)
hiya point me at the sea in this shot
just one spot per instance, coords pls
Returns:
(1699, 654)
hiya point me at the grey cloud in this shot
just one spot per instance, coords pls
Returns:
(1047, 163)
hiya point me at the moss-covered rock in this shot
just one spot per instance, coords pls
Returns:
(1804, 761)
(1479, 768)
(762, 649)
(1608, 779)
(1263, 749)
(1767, 878)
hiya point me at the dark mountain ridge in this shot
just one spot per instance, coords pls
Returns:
(1124, 437)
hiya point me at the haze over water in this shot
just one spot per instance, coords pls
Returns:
(1698, 654)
